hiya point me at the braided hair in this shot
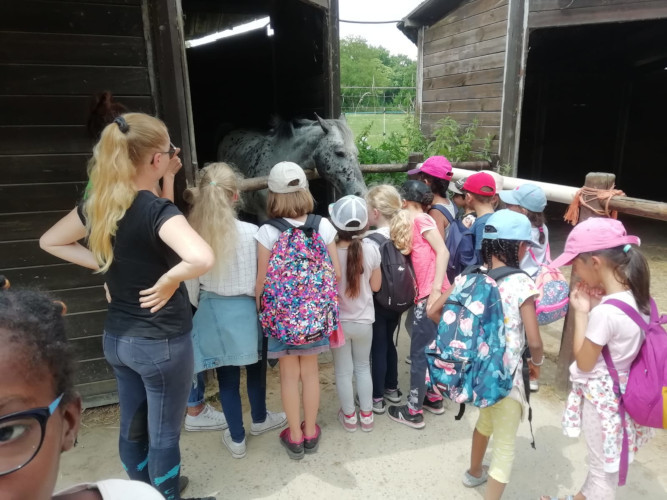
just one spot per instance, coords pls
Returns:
(32, 323)
(506, 251)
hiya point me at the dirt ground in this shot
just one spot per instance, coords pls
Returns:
(393, 461)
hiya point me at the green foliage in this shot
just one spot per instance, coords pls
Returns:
(455, 141)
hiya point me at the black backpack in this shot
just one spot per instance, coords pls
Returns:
(460, 242)
(399, 287)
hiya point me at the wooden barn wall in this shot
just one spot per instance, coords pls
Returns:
(54, 55)
(463, 59)
(552, 13)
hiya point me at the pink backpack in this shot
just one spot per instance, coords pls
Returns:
(554, 299)
(645, 396)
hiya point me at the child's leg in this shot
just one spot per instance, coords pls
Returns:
(599, 484)
(362, 336)
(343, 369)
(310, 384)
(290, 373)
(423, 333)
(256, 392)
(229, 379)
(480, 441)
(506, 416)
(379, 353)
(391, 378)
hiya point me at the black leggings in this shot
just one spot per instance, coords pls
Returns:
(384, 359)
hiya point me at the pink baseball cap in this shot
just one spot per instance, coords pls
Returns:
(596, 233)
(437, 166)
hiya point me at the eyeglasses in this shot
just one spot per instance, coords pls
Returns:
(171, 152)
(22, 435)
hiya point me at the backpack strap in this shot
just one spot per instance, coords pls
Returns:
(503, 272)
(441, 208)
(633, 313)
(280, 224)
(312, 223)
(623, 466)
(377, 238)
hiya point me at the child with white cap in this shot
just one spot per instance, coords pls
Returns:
(361, 276)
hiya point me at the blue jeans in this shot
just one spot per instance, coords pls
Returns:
(384, 357)
(196, 397)
(229, 380)
(154, 378)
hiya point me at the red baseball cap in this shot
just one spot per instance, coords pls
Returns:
(437, 166)
(481, 183)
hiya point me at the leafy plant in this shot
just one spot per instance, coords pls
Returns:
(455, 141)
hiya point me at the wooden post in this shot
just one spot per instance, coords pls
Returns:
(414, 159)
(597, 180)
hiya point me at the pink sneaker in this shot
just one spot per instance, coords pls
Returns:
(349, 423)
(366, 420)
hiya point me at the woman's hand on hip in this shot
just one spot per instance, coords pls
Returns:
(159, 294)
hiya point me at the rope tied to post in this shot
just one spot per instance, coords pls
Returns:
(585, 196)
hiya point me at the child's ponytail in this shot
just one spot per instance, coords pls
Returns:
(631, 269)
(537, 220)
(400, 231)
(354, 268)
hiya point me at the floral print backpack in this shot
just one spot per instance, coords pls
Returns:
(299, 303)
(465, 361)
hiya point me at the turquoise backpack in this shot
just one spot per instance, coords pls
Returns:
(465, 361)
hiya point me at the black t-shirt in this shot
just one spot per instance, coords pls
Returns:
(140, 258)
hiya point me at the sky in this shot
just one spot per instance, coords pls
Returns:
(385, 35)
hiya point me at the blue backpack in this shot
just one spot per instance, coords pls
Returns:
(460, 242)
(465, 362)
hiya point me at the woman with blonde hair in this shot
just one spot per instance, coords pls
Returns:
(226, 333)
(145, 248)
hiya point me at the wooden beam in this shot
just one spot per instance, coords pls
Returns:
(598, 14)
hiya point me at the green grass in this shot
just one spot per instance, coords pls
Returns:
(381, 124)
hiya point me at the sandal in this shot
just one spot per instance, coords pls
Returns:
(470, 481)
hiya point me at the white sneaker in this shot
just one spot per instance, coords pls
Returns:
(209, 419)
(236, 449)
(273, 421)
(534, 385)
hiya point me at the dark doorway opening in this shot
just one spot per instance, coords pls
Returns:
(595, 99)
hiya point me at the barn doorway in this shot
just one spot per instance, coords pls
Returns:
(595, 100)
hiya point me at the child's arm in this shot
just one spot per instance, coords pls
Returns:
(331, 247)
(168, 179)
(586, 352)
(263, 255)
(441, 260)
(438, 305)
(440, 221)
(376, 279)
(529, 319)
(62, 240)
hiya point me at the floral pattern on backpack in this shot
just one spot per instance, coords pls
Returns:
(299, 303)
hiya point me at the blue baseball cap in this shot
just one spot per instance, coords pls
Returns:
(528, 196)
(508, 225)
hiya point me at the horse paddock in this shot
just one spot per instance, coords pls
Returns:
(392, 461)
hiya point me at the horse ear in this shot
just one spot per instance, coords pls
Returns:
(325, 126)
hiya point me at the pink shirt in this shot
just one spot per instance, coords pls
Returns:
(608, 325)
(423, 255)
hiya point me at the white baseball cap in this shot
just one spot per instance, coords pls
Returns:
(349, 213)
(287, 177)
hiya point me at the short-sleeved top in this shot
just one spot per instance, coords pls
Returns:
(537, 254)
(240, 270)
(140, 258)
(268, 235)
(514, 290)
(384, 231)
(423, 255)
(478, 230)
(359, 309)
(608, 325)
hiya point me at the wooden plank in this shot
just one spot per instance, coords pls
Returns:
(70, 17)
(60, 110)
(600, 14)
(44, 140)
(470, 37)
(27, 225)
(479, 144)
(37, 197)
(429, 125)
(54, 277)
(34, 48)
(488, 104)
(469, 92)
(82, 299)
(44, 168)
(475, 50)
(466, 66)
(92, 371)
(100, 393)
(465, 11)
(464, 79)
(541, 5)
(485, 19)
(485, 119)
(72, 80)
(25, 253)
(87, 348)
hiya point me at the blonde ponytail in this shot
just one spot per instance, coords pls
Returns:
(213, 213)
(400, 231)
(112, 170)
